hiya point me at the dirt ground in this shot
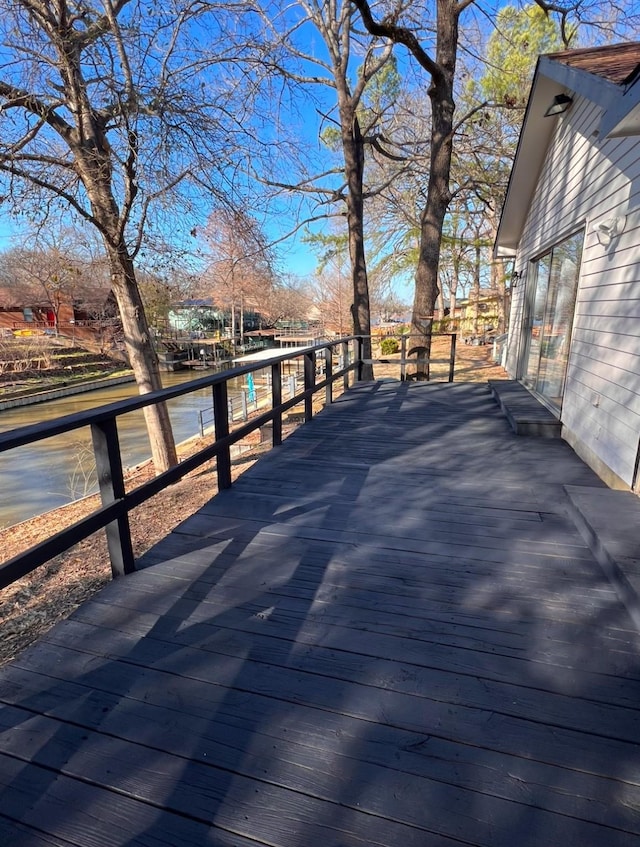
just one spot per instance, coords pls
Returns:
(30, 606)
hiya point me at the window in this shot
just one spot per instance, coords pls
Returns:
(27, 314)
(549, 318)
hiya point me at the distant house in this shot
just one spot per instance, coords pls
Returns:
(19, 312)
(89, 313)
(196, 315)
(571, 223)
(479, 314)
(202, 316)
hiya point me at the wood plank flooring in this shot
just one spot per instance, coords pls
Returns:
(389, 632)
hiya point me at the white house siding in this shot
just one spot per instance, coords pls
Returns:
(515, 323)
(584, 180)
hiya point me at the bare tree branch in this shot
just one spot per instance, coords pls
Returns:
(388, 29)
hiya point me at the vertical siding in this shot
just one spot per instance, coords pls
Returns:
(585, 180)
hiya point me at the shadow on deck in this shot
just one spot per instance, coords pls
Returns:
(388, 632)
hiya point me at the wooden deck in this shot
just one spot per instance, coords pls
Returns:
(387, 633)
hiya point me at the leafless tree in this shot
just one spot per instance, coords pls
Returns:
(106, 111)
(288, 299)
(339, 69)
(239, 269)
(332, 295)
(48, 272)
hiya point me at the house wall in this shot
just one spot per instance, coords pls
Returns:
(8, 319)
(13, 317)
(585, 180)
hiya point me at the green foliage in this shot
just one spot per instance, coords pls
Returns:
(381, 93)
(330, 137)
(397, 257)
(331, 247)
(521, 35)
(388, 346)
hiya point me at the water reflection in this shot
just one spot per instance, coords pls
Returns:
(53, 472)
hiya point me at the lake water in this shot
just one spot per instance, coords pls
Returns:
(51, 473)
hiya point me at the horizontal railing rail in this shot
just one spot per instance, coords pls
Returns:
(116, 502)
(318, 373)
(407, 343)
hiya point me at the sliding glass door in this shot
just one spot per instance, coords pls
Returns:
(549, 318)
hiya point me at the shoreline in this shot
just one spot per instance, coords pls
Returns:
(64, 391)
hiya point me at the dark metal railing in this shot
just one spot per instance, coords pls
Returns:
(117, 503)
(410, 353)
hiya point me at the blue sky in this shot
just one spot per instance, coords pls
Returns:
(296, 258)
(7, 230)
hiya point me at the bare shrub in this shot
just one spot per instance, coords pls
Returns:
(31, 353)
(83, 479)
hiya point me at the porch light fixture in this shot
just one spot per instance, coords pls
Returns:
(609, 229)
(559, 105)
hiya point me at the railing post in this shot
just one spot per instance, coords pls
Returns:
(221, 417)
(452, 356)
(328, 373)
(276, 400)
(359, 346)
(403, 357)
(345, 363)
(245, 408)
(106, 448)
(309, 382)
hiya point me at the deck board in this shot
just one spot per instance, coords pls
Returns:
(388, 632)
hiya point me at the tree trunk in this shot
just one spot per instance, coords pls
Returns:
(438, 192)
(142, 356)
(353, 147)
(95, 171)
(83, 126)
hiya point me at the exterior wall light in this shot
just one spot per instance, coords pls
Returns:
(609, 229)
(559, 105)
